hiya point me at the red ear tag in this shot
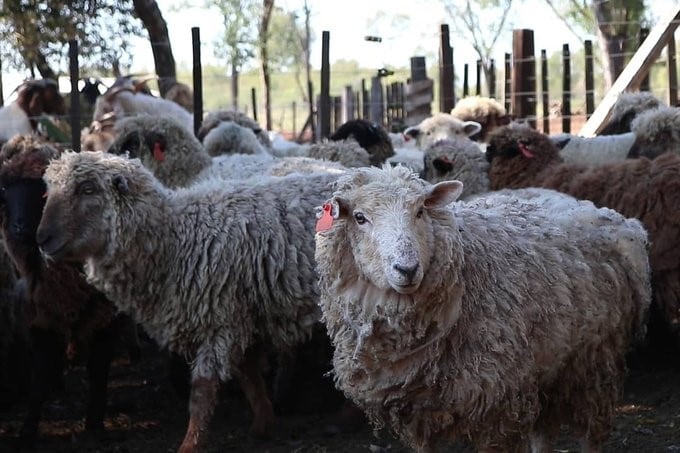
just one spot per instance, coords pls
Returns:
(325, 222)
(525, 151)
(158, 152)
(45, 195)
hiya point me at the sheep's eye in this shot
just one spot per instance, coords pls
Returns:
(419, 214)
(360, 218)
(86, 188)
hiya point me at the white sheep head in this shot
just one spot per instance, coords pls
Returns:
(441, 126)
(386, 216)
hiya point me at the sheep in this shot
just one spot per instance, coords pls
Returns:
(641, 188)
(100, 134)
(657, 131)
(181, 94)
(177, 158)
(370, 136)
(212, 119)
(626, 108)
(439, 127)
(457, 158)
(596, 150)
(34, 98)
(229, 137)
(493, 321)
(217, 273)
(125, 101)
(486, 111)
(346, 152)
(65, 309)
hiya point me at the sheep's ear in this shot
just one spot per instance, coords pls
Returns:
(562, 142)
(471, 128)
(412, 132)
(341, 207)
(443, 193)
(120, 184)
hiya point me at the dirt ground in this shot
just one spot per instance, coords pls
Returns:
(146, 414)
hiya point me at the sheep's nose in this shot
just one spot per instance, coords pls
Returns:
(408, 271)
(42, 236)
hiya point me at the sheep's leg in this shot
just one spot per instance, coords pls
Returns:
(47, 365)
(201, 405)
(255, 389)
(98, 366)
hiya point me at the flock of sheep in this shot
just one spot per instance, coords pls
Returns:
(479, 281)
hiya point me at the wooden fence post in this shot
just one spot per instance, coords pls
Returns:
(325, 102)
(294, 106)
(253, 102)
(418, 93)
(336, 113)
(2, 96)
(197, 77)
(376, 108)
(447, 97)
(507, 82)
(566, 89)
(672, 65)
(545, 95)
(347, 104)
(590, 78)
(492, 78)
(466, 81)
(478, 81)
(524, 76)
(74, 72)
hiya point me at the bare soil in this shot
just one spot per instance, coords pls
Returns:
(147, 414)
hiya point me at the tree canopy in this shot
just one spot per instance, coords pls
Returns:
(35, 34)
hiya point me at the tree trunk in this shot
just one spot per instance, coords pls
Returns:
(234, 87)
(264, 60)
(164, 62)
(43, 67)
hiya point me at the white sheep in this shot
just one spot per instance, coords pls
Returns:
(229, 137)
(34, 99)
(124, 101)
(439, 127)
(217, 273)
(596, 150)
(495, 321)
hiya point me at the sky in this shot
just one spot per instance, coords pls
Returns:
(349, 21)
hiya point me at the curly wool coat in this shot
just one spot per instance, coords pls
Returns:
(511, 331)
(648, 190)
(209, 270)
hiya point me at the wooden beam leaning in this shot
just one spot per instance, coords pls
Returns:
(635, 71)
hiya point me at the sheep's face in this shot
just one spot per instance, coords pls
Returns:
(390, 231)
(519, 140)
(441, 127)
(79, 214)
(22, 202)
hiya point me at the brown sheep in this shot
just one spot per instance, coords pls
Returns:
(66, 316)
(648, 190)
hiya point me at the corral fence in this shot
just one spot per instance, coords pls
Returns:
(525, 87)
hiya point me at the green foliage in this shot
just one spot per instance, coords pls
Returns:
(32, 30)
(236, 44)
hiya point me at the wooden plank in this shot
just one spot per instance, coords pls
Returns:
(635, 71)
(507, 85)
(466, 83)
